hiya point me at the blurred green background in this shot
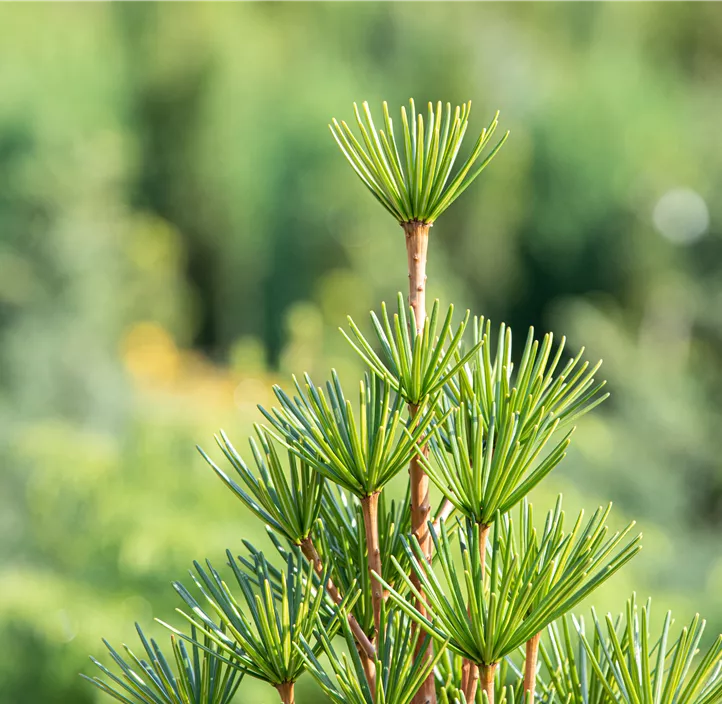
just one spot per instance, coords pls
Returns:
(178, 231)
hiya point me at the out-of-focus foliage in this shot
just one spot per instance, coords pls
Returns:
(178, 232)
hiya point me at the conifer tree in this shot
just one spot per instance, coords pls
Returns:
(466, 602)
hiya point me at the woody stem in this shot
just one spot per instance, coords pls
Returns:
(370, 509)
(366, 648)
(530, 663)
(417, 244)
(285, 691)
(486, 679)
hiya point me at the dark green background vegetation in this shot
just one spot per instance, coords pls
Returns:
(178, 231)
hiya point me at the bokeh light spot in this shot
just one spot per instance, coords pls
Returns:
(681, 215)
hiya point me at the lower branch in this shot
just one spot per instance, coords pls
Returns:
(370, 508)
(530, 663)
(486, 679)
(365, 645)
(369, 667)
(285, 690)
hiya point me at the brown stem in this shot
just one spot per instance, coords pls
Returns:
(486, 679)
(532, 651)
(417, 243)
(420, 503)
(369, 667)
(366, 646)
(285, 690)
(370, 508)
(469, 680)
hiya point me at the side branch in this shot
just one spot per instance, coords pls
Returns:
(311, 554)
(444, 512)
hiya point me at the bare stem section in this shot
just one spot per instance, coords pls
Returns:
(366, 647)
(486, 678)
(370, 508)
(530, 663)
(285, 691)
(417, 245)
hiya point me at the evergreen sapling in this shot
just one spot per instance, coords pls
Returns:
(468, 603)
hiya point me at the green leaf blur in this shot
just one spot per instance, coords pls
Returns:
(178, 232)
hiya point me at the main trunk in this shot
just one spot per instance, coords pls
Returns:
(420, 502)
(417, 243)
